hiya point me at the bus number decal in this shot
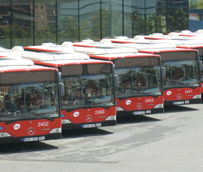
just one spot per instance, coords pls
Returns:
(99, 112)
(43, 124)
(149, 100)
(188, 91)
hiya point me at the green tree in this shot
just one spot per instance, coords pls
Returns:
(192, 5)
(178, 21)
(138, 23)
(44, 35)
(68, 29)
(199, 4)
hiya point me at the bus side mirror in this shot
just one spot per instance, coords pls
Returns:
(200, 65)
(116, 80)
(62, 90)
(163, 72)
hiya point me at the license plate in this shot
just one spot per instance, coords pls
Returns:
(148, 111)
(88, 126)
(138, 112)
(178, 103)
(30, 139)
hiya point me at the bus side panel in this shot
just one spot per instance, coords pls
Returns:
(30, 130)
(182, 96)
(96, 116)
(145, 104)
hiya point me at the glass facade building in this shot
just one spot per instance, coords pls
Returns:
(31, 22)
(195, 14)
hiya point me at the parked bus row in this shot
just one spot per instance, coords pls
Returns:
(87, 84)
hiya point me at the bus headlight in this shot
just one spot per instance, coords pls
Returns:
(159, 106)
(110, 118)
(4, 134)
(65, 121)
(197, 96)
(55, 130)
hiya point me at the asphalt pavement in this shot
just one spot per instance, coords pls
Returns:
(166, 142)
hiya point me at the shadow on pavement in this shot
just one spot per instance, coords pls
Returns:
(172, 109)
(25, 147)
(87, 132)
(124, 119)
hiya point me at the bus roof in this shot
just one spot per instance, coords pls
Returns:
(45, 56)
(60, 63)
(157, 51)
(50, 47)
(148, 45)
(189, 33)
(23, 68)
(7, 54)
(105, 46)
(191, 46)
(121, 56)
(105, 50)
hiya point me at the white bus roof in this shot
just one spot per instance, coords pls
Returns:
(125, 39)
(23, 68)
(181, 42)
(104, 43)
(7, 54)
(148, 45)
(74, 62)
(19, 62)
(50, 47)
(99, 50)
(44, 56)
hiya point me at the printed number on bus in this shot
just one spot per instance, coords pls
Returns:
(99, 112)
(188, 91)
(43, 124)
(149, 100)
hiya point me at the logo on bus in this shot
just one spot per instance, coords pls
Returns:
(139, 105)
(16, 126)
(31, 131)
(76, 114)
(179, 96)
(88, 118)
(128, 102)
(168, 93)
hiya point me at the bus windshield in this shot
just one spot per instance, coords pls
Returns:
(139, 81)
(28, 101)
(182, 73)
(201, 58)
(86, 91)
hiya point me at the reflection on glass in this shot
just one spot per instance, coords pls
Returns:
(90, 19)
(181, 74)
(67, 16)
(88, 91)
(5, 23)
(22, 22)
(139, 81)
(28, 101)
(45, 21)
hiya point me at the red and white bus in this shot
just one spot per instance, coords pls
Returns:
(188, 33)
(186, 42)
(139, 90)
(29, 100)
(89, 99)
(198, 47)
(182, 84)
